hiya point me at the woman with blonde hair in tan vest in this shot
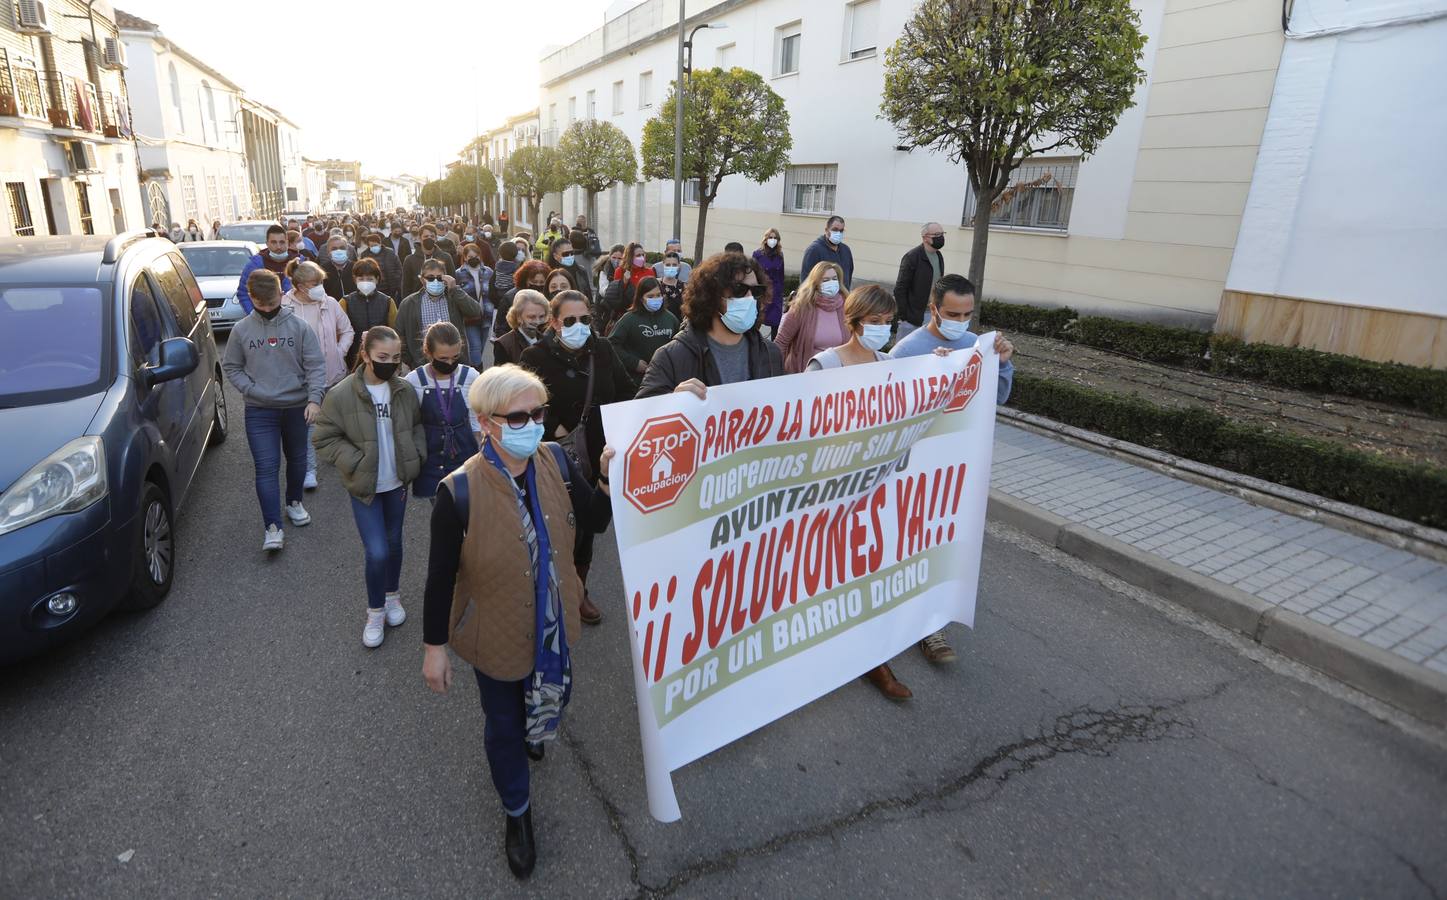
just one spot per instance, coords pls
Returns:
(503, 605)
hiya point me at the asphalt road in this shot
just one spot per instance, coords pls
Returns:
(240, 741)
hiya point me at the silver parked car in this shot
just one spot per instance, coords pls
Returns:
(253, 230)
(217, 266)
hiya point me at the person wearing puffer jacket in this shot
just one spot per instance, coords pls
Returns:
(308, 300)
(370, 428)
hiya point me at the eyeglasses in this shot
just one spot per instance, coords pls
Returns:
(521, 419)
(742, 290)
(431, 277)
(569, 321)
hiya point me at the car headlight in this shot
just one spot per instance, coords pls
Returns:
(66, 481)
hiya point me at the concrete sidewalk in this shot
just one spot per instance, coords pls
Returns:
(1365, 613)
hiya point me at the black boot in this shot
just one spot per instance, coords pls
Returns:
(536, 750)
(522, 853)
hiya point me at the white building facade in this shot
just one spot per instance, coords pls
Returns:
(187, 118)
(67, 157)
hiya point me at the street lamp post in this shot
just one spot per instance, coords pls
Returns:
(685, 67)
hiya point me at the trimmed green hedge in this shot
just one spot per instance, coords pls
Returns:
(1407, 490)
(1413, 387)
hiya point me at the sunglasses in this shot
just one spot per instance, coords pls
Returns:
(573, 320)
(432, 278)
(521, 419)
(742, 290)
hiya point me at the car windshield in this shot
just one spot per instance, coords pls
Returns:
(256, 233)
(206, 262)
(52, 343)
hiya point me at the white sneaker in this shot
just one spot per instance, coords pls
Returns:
(396, 615)
(298, 514)
(311, 481)
(375, 629)
(273, 539)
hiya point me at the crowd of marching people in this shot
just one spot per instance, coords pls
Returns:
(466, 363)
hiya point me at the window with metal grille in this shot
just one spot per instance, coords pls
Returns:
(809, 190)
(861, 29)
(19, 209)
(787, 39)
(213, 197)
(1039, 196)
(188, 196)
(82, 194)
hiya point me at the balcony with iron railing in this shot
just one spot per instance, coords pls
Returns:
(648, 19)
(65, 101)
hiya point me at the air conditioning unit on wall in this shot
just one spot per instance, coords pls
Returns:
(82, 157)
(114, 56)
(31, 17)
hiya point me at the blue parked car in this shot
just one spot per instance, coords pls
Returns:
(110, 391)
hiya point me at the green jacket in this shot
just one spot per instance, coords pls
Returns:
(345, 434)
(460, 308)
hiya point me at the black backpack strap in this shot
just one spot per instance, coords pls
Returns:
(457, 484)
(560, 456)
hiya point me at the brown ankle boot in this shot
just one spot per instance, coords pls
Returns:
(589, 613)
(883, 678)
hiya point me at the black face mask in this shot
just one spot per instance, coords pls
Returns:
(268, 313)
(444, 367)
(937, 241)
(384, 371)
(429, 244)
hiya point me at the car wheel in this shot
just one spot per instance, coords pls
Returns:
(222, 421)
(154, 558)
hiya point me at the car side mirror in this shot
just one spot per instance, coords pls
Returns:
(178, 359)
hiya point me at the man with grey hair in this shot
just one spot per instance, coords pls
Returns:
(919, 269)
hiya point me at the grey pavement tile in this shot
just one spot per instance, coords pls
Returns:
(1353, 627)
(1416, 569)
(1407, 652)
(1379, 638)
(1324, 616)
(1437, 664)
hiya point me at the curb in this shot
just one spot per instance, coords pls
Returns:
(1379, 673)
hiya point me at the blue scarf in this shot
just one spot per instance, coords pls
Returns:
(547, 690)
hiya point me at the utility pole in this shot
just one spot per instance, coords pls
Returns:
(678, 135)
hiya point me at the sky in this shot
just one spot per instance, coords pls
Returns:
(294, 56)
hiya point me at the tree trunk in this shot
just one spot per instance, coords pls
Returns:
(981, 238)
(703, 204)
(535, 209)
(592, 211)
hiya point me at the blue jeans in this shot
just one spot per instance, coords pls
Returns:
(270, 433)
(380, 525)
(504, 733)
(476, 344)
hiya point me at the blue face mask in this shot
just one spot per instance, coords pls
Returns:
(278, 256)
(953, 330)
(339, 256)
(435, 288)
(829, 288)
(654, 304)
(566, 260)
(670, 271)
(874, 336)
(521, 443)
(574, 336)
(836, 237)
(742, 313)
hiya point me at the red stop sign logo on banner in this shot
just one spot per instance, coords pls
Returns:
(660, 462)
(967, 385)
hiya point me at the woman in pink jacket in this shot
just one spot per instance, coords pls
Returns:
(308, 300)
(814, 321)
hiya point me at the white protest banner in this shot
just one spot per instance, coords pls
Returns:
(788, 535)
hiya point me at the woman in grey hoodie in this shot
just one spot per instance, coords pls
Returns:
(275, 361)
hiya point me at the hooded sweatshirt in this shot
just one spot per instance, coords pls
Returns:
(275, 363)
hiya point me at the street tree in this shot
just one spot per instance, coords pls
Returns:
(733, 124)
(431, 195)
(532, 173)
(595, 156)
(994, 82)
(467, 184)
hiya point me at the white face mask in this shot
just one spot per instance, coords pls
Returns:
(874, 336)
(317, 293)
(772, 242)
(829, 288)
(366, 287)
